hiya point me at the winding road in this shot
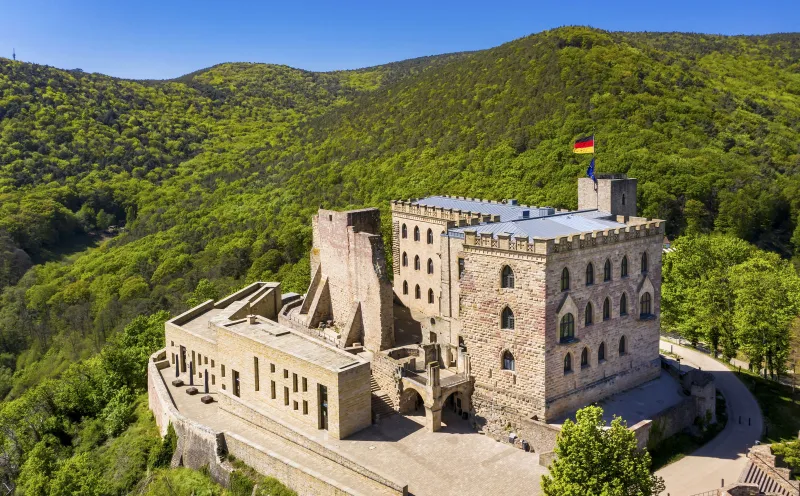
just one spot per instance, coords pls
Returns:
(724, 457)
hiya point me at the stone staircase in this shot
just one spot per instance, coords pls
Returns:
(381, 403)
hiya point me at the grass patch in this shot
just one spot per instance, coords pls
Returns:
(674, 448)
(780, 408)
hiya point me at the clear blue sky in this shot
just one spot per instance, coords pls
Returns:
(168, 38)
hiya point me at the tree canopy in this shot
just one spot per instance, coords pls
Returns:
(593, 459)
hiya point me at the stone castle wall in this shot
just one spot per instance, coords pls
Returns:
(348, 249)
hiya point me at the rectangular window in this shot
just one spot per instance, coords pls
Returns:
(305, 407)
(199, 359)
(172, 343)
(272, 389)
(272, 368)
(460, 268)
(285, 374)
(286, 396)
(323, 407)
(212, 364)
(172, 356)
(236, 389)
(213, 379)
(255, 371)
(294, 383)
(305, 384)
(222, 369)
(205, 360)
(295, 405)
(224, 387)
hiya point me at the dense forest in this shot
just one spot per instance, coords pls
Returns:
(125, 198)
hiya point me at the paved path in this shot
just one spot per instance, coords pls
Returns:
(723, 457)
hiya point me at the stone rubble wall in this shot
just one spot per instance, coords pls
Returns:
(385, 370)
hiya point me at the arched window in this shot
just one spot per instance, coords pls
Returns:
(565, 279)
(508, 361)
(417, 294)
(404, 232)
(623, 270)
(589, 274)
(585, 358)
(507, 319)
(405, 259)
(644, 263)
(405, 287)
(645, 306)
(507, 277)
(416, 233)
(416, 262)
(607, 271)
(430, 237)
(567, 328)
(588, 315)
(623, 304)
(430, 296)
(622, 349)
(430, 266)
(606, 309)
(568, 363)
(601, 352)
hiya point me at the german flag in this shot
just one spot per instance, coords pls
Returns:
(584, 145)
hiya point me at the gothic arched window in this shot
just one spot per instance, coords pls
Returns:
(430, 237)
(644, 263)
(588, 315)
(622, 348)
(416, 262)
(430, 266)
(405, 287)
(623, 270)
(405, 259)
(590, 274)
(601, 352)
(417, 294)
(565, 279)
(585, 358)
(606, 309)
(430, 296)
(623, 304)
(507, 319)
(416, 233)
(645, 306)
(507, 277)
(567, 363)
(508, 361)
(607, 271)
(567, 328)
(404, 232)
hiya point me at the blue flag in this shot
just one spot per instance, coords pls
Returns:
(590, 171)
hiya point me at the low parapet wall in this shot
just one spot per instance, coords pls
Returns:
(201, 447)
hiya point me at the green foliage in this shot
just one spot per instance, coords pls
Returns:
(722, 290)
(595, 460)
(76, 476)
(161, 456)
(790, 451)
(241, 485)
(117, 413)
(181, 482)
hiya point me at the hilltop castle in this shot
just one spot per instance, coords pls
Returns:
(499, 314)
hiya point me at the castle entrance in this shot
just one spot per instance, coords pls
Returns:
(455, 411)
(411, 403)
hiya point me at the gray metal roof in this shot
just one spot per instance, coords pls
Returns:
(552, 226)
(506, 211)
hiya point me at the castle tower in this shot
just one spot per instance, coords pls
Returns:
(615, 193)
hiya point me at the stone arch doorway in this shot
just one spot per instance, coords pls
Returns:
(455, 409)
(412, 402)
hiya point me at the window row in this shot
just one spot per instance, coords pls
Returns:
(601, 355)
(567, 324)
(404, 262)
(404, 234)
(509, 363)
(418, 292)
(607, 270)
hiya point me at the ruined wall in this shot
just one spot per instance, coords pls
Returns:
(350, 252)
(385, 371)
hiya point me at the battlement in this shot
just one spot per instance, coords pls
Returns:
(545, 246)
(459, 217)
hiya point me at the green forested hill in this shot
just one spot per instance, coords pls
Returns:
(214, 175)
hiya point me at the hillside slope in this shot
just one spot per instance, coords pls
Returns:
(216, 174)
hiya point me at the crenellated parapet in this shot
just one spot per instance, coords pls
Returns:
(543, 246)
(459, 218)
